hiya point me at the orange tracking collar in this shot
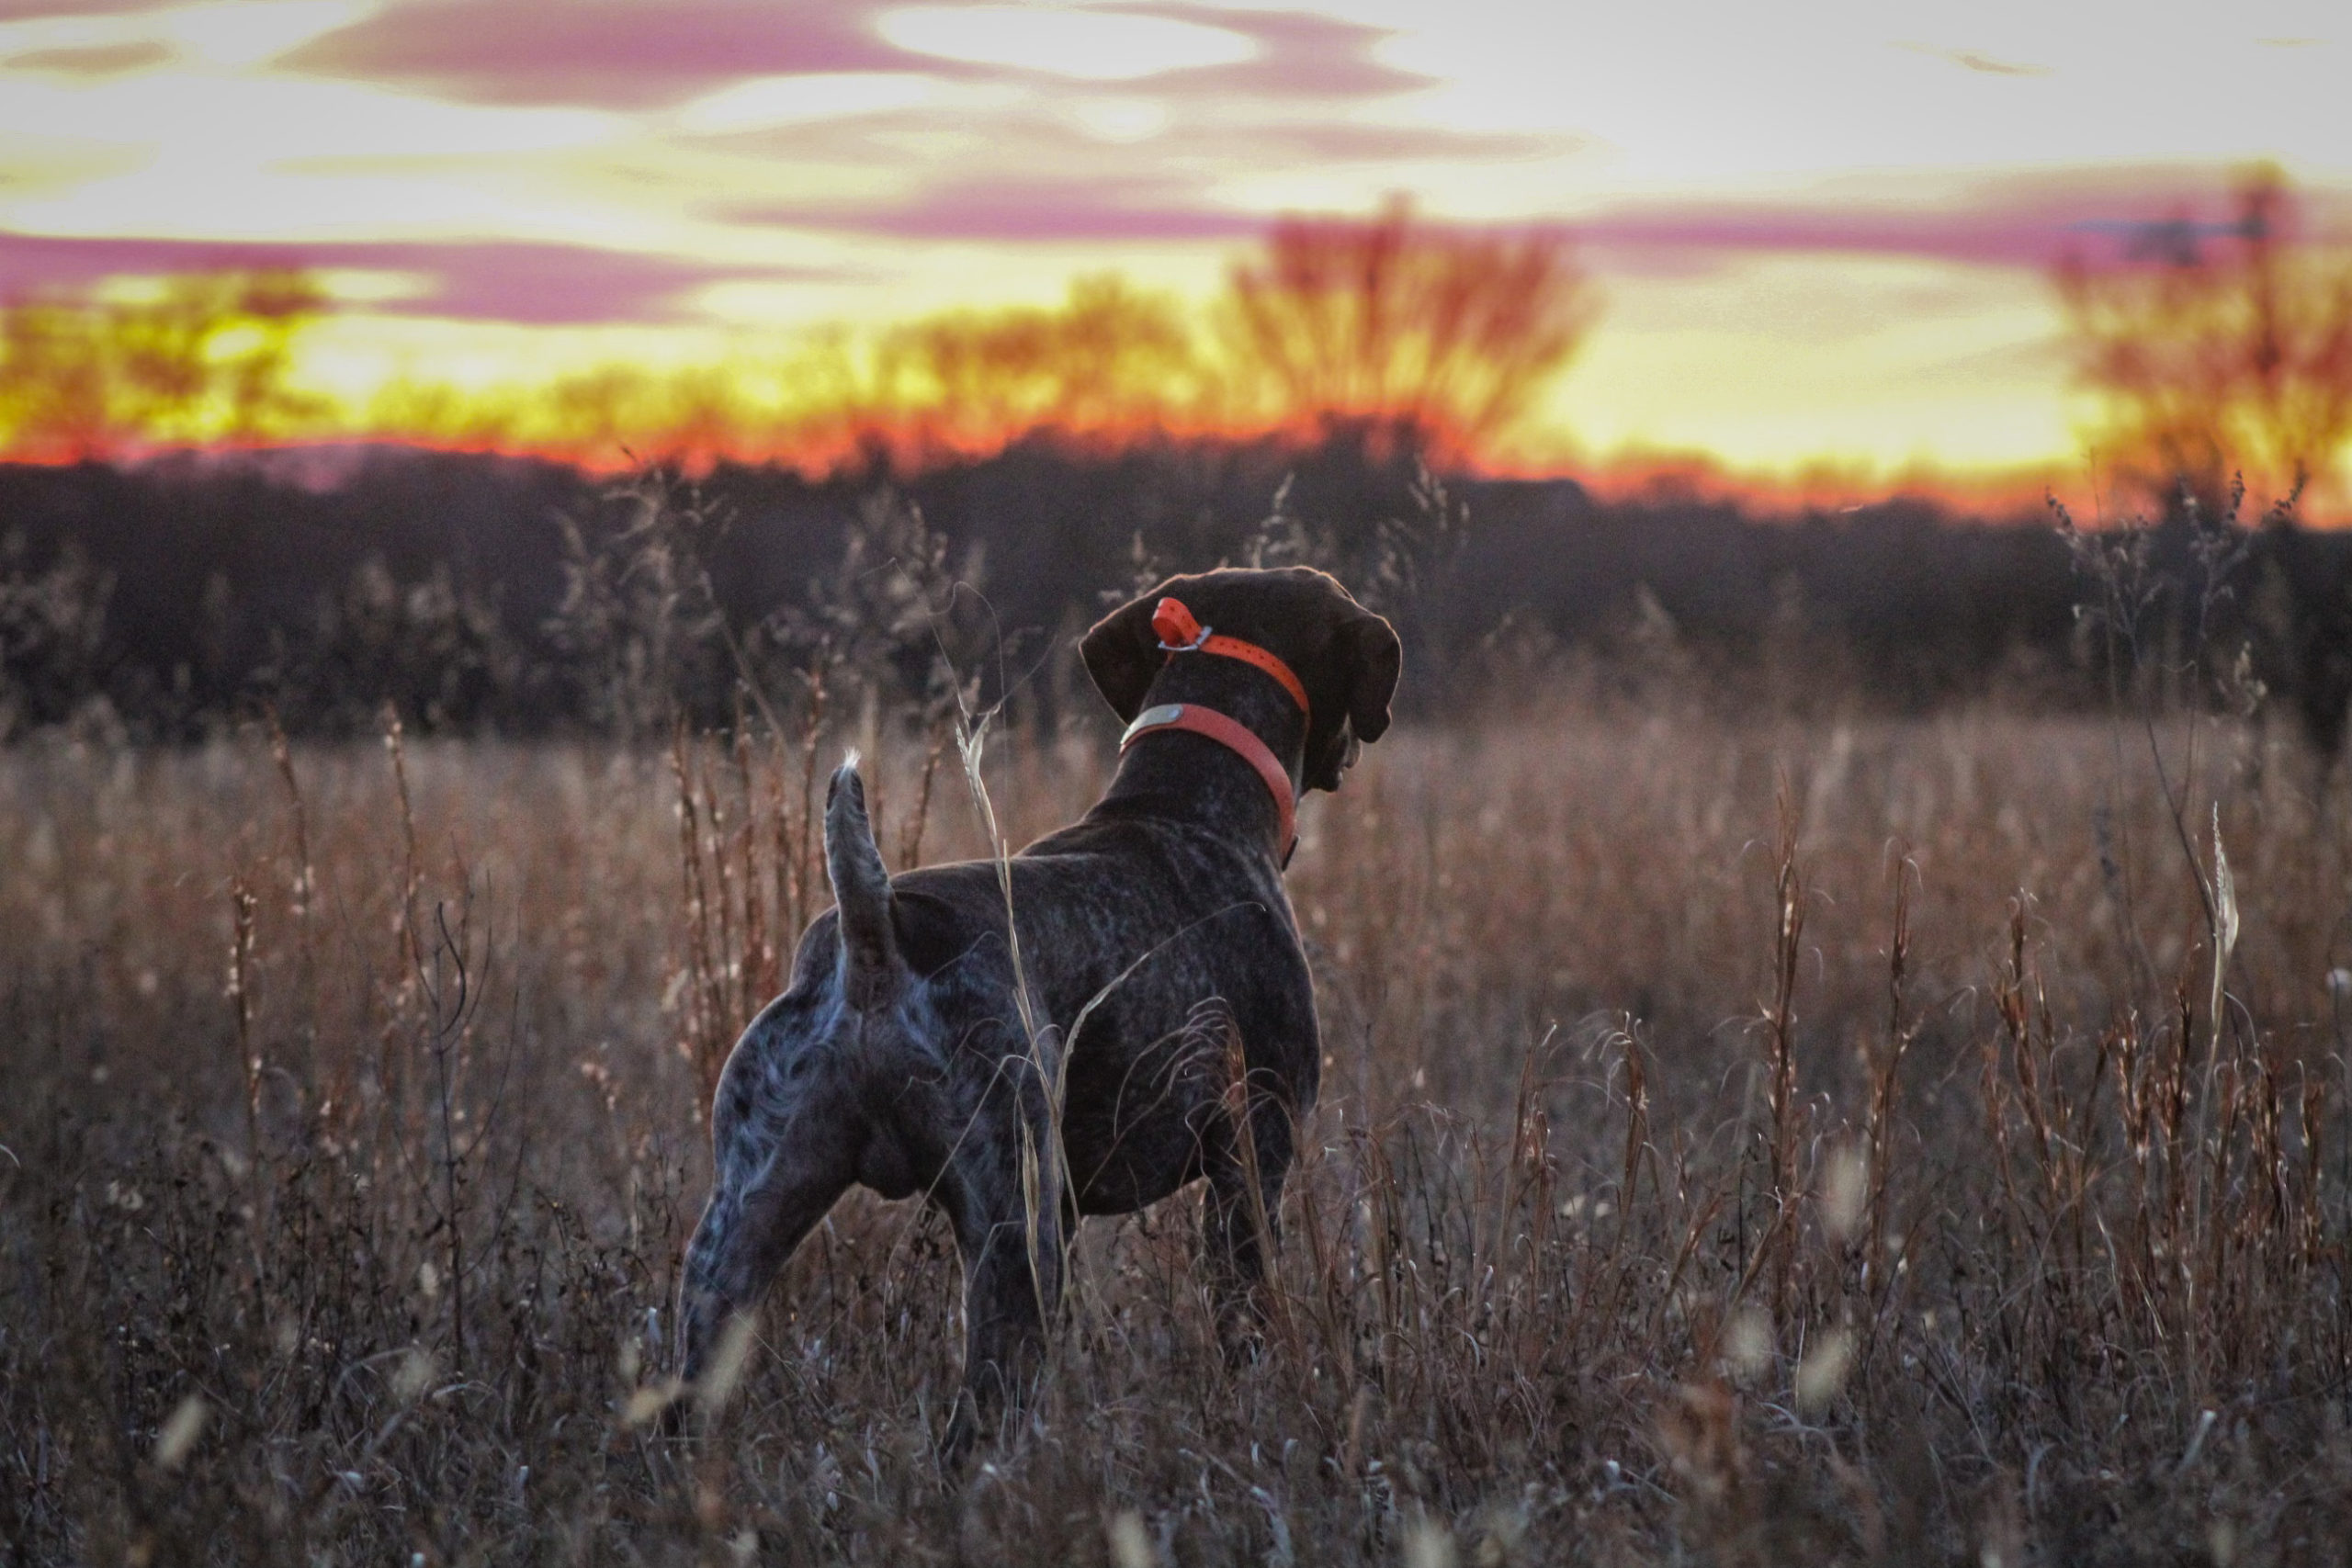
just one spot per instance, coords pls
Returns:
(1179, 633)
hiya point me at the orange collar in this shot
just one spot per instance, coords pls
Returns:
(1233, 737)
(1180, 633)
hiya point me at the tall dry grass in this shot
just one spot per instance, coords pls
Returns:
(1741, 1144)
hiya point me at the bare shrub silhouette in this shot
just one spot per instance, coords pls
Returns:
(1434, 337)
(2219, 349)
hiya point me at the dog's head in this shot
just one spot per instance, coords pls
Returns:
(1346, 657)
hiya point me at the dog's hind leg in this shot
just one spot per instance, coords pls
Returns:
(1010, 1224)
(754, 1220)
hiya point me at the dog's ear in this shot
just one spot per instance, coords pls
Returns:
(1368, 657)
(1375, 658)
(1122, 652)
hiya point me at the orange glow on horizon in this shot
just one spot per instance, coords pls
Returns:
(912, 446)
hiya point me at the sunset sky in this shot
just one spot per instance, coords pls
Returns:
(1821, 228)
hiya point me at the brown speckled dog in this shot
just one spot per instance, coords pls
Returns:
(1156, 942)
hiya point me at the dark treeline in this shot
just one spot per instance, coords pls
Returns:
(499, 595)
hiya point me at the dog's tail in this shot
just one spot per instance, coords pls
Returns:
(871, 968)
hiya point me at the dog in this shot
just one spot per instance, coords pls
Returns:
(1144, 1018)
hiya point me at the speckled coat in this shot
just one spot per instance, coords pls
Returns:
(1166, 1000)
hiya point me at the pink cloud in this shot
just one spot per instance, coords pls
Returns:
(2028, 221)
(638, 54)
(620, 54)
(491, 280)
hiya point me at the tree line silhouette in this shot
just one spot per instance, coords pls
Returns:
(487, 595)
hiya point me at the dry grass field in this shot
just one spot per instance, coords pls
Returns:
(1743, 1142)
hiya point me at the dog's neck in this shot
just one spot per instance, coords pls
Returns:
(1180, 777)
